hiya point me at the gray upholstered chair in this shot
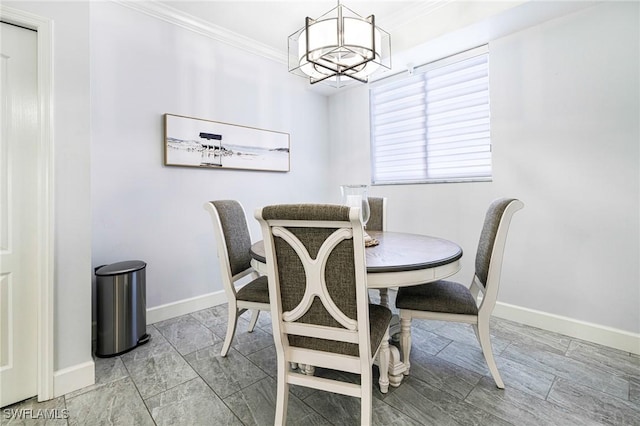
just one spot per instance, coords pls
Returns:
(319, 304)
(378, 217)
(234, 253)
(378, 222)
(451, 301)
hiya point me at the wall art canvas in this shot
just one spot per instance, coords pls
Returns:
(196, 142)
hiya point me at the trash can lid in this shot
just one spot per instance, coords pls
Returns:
(121, 268)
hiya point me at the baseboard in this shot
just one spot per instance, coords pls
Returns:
(186, 306)
(73, 378)
(175, 309)
(607, 336)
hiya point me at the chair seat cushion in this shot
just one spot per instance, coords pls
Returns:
(438, 296)
(256, 291)
(379, 319)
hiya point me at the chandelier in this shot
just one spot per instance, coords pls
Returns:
(339, 47)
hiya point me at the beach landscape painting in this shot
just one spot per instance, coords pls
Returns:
(196, 142)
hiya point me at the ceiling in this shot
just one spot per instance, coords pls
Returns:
(271, 22)
(262, 27)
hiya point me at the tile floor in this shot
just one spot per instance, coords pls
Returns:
(179, 378)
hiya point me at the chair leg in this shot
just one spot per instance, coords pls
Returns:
(475, 330)
(405, 342)
(232, 322)
(282, 394)
(383, 363)
(254, 319)
(366, 397)
(487, 351)
(384, 297)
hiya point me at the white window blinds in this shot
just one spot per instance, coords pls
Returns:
(433, 126)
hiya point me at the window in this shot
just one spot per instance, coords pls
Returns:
(433, 125)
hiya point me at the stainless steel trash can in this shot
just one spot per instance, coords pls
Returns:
(121, 307)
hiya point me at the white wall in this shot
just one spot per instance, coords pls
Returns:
(141, 68)
(565, 133)
(72, 263)
(565, 102)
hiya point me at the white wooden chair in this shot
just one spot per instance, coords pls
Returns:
(234, 253)
(378, 222)
(319, 304)
(451, 301)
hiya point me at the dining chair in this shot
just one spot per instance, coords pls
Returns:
(378, 222)
(378, 214)
(451, 301)
(234, 253)
(319, 304)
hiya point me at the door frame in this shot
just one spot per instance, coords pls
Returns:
(45, 188)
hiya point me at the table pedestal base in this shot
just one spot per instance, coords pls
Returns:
(396, 367)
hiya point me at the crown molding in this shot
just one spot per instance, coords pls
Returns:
(399, 18)
(392, 23)
(202, 27)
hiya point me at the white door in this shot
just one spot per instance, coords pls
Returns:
(18, 203)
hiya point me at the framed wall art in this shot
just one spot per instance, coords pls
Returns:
(195, 142)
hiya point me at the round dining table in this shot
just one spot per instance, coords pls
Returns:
(400, 259)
